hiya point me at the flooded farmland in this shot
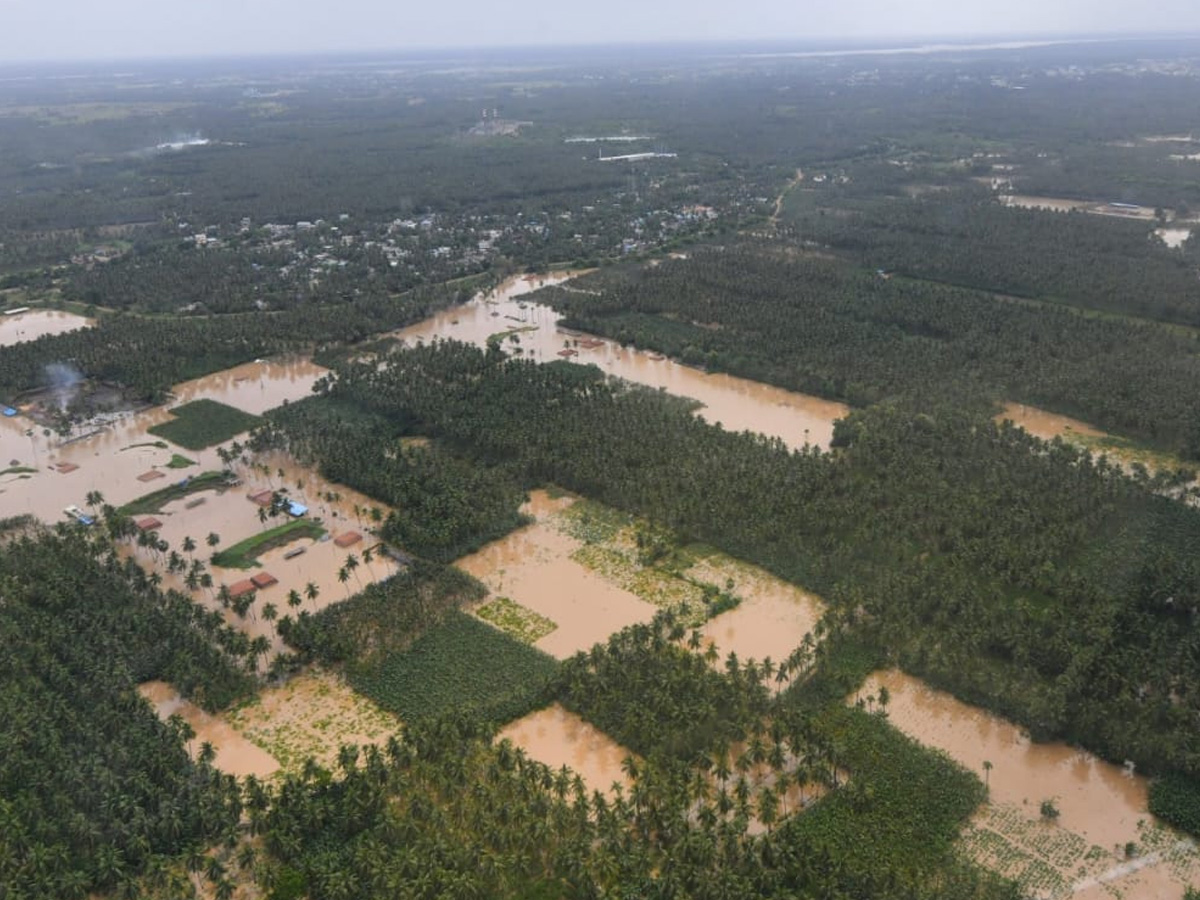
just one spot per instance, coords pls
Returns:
(235, 754)
(531, 329)
(771, 621)
(36, 323)
(557, 738)
(311, 716)
(534, 567)
(1102, 808)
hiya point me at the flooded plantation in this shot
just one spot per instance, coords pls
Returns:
(529, 329)
(235, 755)
(557, 738)
(312, 716)
(534, 568)
(1101, 807)
(772, 620)
(32, 324)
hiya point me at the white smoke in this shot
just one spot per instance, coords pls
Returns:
(64, 380)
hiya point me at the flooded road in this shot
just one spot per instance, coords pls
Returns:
(1102, 808)
(235, 754)
(531, 330)
(533, 567)
(558, 738)
(111, 452)
(29, 326)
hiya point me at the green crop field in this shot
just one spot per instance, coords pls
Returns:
(460, 664)
(203, 423)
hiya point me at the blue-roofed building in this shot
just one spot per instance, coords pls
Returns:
(296, 510)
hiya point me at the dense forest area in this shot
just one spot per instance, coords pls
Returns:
(822, 326)
(96, 790)
(967, 237)
(1024, 576)
(444, 506)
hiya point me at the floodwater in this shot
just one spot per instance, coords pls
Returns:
(737, 404)
(105, 449)
(770, 622)
(558, 738)
(1102, 804)
(1174, 237)
(36, 323)
(235, 755)
(533, 567)
(233, 517)
(312, 715)
(1097, 799)
(1046, 425)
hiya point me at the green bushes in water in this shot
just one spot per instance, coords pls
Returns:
(1175, 799)
(203, 423)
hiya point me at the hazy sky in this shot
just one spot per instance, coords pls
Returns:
(92, 29)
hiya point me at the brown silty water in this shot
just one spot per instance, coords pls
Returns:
(233, 517)
(235, 755)
(1097, 800)
(737, 404)
(1103, 804)
(29, 326)
(558, 738)
(533, 567)
(1045, 425)
(104, 452)
(771, 621)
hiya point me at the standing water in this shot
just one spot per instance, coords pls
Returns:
(531, 330)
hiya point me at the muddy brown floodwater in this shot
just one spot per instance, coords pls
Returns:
(36, 323)
(533, 567)
(558, 738)
(1102, 807)
(105, 450)
(235, 755)
(233, 517)
(772, 619)
(1045, 425)
(737, 404)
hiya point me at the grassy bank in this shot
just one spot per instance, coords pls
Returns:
(244, 554)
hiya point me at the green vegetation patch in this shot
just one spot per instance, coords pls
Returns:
(244, 554)
(514, 619)
(180, 462)
(156, 500)
(1175, 799)
(17, 470)
(462, 664)
(203, 423)
(161, 445)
